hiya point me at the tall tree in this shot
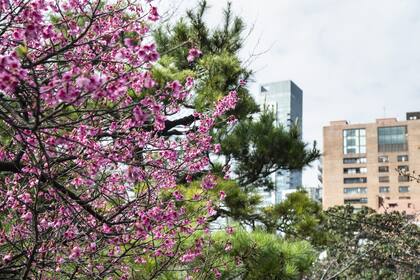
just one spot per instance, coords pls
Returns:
(86, 160)
(253, 145)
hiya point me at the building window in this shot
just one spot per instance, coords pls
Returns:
(354, 160)
(402, 158)
(383, 169)
(384, 189)
(383, 179)
(355, 170)
(355, 180)
(404, 197)
(356, 200)
(355, 190)
(392, 139)
(403, 189)
(403, 178)
(354, 141)
(383, 159)
(403, 168)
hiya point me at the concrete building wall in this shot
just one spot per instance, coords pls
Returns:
(334, 175)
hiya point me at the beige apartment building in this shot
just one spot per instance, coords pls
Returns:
(361, 163)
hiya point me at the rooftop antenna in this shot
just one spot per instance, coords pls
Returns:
(384, 112)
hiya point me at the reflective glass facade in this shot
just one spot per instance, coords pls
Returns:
(285, 99)
(356, 200)
(384, 189)
(354, 141)
(354, 160)
(392, 139)
(355, 170)
(355, 180)
(355, 190)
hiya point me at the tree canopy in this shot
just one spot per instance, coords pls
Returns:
(86, 153)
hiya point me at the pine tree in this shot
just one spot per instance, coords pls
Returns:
(256, 146)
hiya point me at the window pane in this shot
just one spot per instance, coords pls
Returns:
(356, 200)
(402, 158)
(349, 160)
(392, 139)
(355, 180)
(403, 178)
(354, 160)
(403, 189)
(354, 141)
(383, 169)
(350, 150)
(351, 142)
(355, 170)
(383, 178)
(355, 190)
(403, 168)
(383, 189)
(383, 159)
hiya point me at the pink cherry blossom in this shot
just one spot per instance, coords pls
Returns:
(139, 115)
(27, 217)
(226, 103)
(153, 14)
(230, 230)
(217, 148)
(7, 258)
(217, 273)
(178, 195)
(208, 182)
(91, 158)
(228, 246)
(193, 54)
(75, 253)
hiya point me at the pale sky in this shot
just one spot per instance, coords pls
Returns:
(354, 59)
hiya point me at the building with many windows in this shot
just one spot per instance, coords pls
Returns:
(363, 164)
(285, 99)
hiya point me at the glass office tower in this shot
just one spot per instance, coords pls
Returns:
(285, 100)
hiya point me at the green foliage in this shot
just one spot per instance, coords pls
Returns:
(261, 148)
(241, 206)
(256, 145)
(259, 255)
(166, 70)
(298, 217)
(218, 70)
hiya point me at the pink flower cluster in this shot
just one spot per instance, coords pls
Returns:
(208, 182)
(193, 54)
(90, 157)
(10, 72)
(225, 104)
